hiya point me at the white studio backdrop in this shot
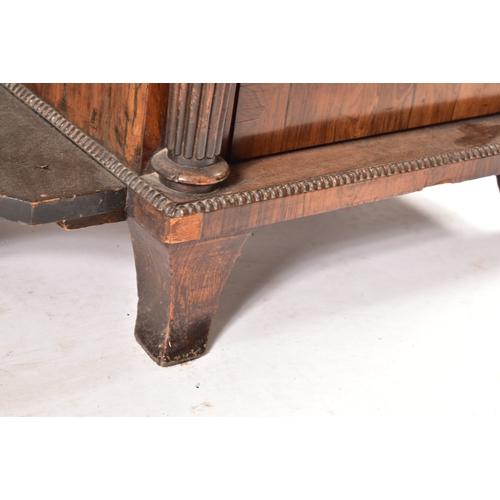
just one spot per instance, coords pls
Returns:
(388, 308)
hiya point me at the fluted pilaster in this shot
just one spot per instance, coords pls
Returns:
(195, 125)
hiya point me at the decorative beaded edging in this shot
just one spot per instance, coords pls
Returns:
(169, 208)
(329, 181)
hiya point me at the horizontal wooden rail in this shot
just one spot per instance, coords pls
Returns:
(316, 180)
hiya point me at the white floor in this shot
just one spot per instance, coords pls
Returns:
(390, 308)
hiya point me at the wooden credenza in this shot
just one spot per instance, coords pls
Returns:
(194, 167)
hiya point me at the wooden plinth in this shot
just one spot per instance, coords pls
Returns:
(316, 180)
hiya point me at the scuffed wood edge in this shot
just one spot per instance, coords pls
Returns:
(159, 201)
(92, 148)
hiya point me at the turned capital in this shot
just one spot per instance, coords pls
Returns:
(195, 125)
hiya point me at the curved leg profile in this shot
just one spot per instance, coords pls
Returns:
(179, 286)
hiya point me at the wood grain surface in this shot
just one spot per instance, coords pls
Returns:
(178, 288)
(44, 177)
(115, 115)
(300, 183)
(182, 263)
(156, 117)
(272, 118)
(127, 119)
(195, 130)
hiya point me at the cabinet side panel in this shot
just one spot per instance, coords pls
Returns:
(324, 113)
(259, 120)
(112, 114)
(273, 118)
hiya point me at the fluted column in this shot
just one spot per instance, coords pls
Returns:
(195, 126)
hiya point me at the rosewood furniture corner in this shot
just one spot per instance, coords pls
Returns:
(206, 163)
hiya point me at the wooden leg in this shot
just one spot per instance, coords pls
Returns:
(179, 286)
(498, 181)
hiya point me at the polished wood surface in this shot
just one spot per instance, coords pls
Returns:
(272, 118)
(194, 132)
(155, 119)
(185, 243)
(127, 119)
(301, 183)
(183, 261)
(130, 119)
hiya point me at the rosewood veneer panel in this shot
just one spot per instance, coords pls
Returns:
(127, 119)
(272, 118)
(301, 183)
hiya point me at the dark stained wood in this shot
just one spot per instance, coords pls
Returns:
(44, 177)
(179, 287)
(113, 114)
(196, 116)
(272, 118)
(195, 129)
(93, 220)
